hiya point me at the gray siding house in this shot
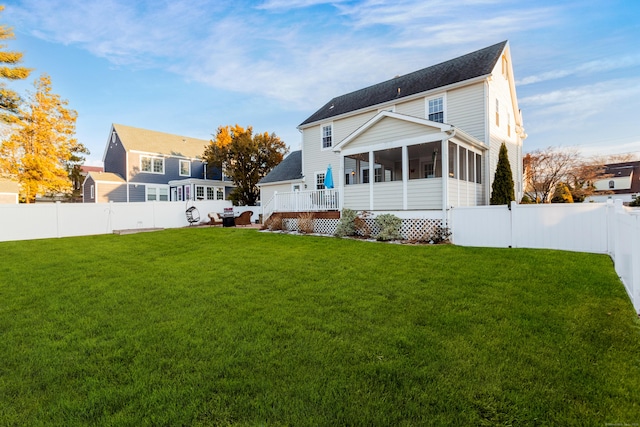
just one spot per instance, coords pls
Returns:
(142, 165)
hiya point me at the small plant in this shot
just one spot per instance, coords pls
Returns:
(440, 234)
(346, 225)
(362, 228)
(275, 223)
(389, 225)
(305, 222)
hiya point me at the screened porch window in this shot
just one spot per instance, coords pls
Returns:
(356, 169)
(453, 160)
(425, 160)
(388, 165)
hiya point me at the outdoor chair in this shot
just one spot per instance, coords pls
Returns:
(214, 219)
(244, 218)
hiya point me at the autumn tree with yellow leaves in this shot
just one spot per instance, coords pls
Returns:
(41, 150)
(246, 158)
(9, 70)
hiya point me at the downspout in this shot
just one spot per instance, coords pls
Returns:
(445, 174)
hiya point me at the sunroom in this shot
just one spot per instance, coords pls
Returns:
(436, 167)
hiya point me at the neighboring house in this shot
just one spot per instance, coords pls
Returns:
(144, 165)
(9, 190)
(620, 181)
(425, 141)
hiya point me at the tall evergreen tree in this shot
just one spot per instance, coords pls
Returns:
(502, 192)
(9, 99)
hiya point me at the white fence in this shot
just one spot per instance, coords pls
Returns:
(587, 227)
(46, 220)
(303, 201)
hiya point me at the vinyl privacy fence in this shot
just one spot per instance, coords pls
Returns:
(47, 220)
(587, 227)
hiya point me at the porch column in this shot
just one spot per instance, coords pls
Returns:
(444, 148)
(405, 176)
(372, 177)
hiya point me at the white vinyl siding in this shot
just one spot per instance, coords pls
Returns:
(344, 127)
(463, 193)
(387, 195)
(465, 110)
(356, 197)
(415, 108)
(424, 194)
(389, 129)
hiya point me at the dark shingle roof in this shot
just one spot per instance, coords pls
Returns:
(288, 169)
(469, 66)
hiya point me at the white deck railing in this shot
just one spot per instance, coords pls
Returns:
(302, 201)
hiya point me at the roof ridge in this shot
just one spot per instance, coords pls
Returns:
(455, 70)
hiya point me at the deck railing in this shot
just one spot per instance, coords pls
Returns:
(303, 201)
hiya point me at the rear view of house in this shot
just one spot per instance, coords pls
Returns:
(422, 142)
(142, 165)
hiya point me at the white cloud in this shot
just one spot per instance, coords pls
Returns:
(597, 66)
(282, 5)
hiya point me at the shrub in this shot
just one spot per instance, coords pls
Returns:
(360, 223)
(305, 222)
(389, 227)
(502, 188)
(440, 234)
(275, 223)
(346, 225)
(526, 200)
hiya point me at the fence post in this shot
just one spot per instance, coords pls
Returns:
(512, 240)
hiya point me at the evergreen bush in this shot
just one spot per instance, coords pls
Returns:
(389, 225)
(346, 225)
(502, 192)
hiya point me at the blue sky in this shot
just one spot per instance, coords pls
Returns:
(189, 66)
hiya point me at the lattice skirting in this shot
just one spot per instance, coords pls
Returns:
(419, 229)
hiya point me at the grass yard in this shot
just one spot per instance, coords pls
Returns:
(214, 326)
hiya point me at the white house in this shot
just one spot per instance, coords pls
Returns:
(418, 143)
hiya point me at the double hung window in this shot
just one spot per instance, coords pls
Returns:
(436, 110)
(152, 164)
(327, 136)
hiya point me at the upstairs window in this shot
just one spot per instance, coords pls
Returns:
(185, 168)
(152, 164)
(327, 136)
(497, 112)
(436, 110)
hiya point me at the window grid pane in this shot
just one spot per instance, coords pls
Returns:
(436, 110)
(326, 137)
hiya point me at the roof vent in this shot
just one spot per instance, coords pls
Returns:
(398, 91)
(331, 107)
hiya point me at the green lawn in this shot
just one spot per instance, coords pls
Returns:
(214, 326)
